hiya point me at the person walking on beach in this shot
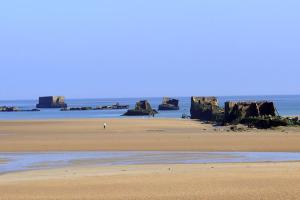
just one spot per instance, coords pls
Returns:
(104, 126)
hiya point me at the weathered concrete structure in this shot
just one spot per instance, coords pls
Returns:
(235, 112)
(169, 104)
(261, 114)
(51, 102)
(206, 109)
(141, 108)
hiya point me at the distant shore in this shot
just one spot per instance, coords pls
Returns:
(141, 134)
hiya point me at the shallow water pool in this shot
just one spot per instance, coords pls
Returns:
(43, 160)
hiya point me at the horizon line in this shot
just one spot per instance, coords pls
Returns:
(73, 98)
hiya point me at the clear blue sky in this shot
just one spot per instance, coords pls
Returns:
(118, 48)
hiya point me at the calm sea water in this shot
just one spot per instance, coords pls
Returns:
(286, 105)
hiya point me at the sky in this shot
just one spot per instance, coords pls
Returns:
(151, 48)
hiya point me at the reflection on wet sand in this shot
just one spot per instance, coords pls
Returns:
(49, 160)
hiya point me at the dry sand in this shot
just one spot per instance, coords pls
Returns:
(246, 181)
(140, 134)
(168, 182)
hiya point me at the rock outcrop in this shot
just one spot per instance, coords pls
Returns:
(206, 109)
(141, 108)
(169, 104)
(235, 112)
(52, 102)
(264, 122)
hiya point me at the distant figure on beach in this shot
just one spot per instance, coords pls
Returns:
(104, 125)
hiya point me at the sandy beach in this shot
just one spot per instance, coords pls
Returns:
(120, 100)
(140, 134)
(204, 181)
(169, 181)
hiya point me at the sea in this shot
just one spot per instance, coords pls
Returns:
(287, 105)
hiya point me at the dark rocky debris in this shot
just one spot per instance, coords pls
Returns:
(15, 109)
(116, 106)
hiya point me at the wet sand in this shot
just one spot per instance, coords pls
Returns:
(140, 134)
(191, 182)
